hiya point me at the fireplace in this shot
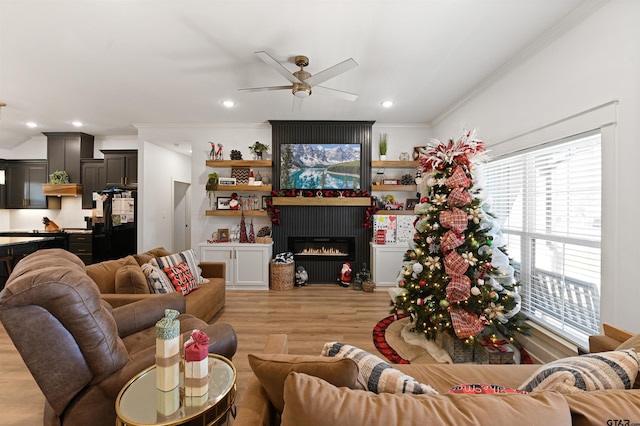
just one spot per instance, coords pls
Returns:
(322, 248)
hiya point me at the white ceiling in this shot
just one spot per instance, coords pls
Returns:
(116, 63)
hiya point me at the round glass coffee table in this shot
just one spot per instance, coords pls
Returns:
(141, 403)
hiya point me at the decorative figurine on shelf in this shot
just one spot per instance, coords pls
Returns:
(345, 275)
(301, 276)
(218, 154)
(212, 153)
(234, 204)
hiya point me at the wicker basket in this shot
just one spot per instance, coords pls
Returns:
(456, 348)
(264, 240)
(282, 276)
(368, 286)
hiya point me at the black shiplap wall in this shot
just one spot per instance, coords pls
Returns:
(327, 221)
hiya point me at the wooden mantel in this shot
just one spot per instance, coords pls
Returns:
(321, 201)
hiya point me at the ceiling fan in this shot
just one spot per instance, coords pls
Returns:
(302, 82)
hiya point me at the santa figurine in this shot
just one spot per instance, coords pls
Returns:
(301, 276)
(234, 204)
(345, 275)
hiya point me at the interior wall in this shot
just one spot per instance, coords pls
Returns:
(158, 168)
(595, 63)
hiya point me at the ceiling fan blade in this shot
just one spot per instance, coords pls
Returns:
(264, 89)
(267, 59)
(297, 104)
(331, 72)
(325, 91)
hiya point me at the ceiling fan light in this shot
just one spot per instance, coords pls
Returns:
(301, 90)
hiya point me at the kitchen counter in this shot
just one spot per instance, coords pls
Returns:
(12, 241)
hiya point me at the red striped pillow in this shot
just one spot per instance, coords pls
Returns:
(182, 278)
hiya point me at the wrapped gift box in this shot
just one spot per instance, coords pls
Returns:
(196, 364)
(168, 351)
(494, 351)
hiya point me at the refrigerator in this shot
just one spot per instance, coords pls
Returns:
(115, 224)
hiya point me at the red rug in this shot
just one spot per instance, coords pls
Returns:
(380, 342)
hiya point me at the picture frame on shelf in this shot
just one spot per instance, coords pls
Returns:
(223, 203)
(390, 181)
(226, 181)
(411, 203)
(265, 198)
(223, 235)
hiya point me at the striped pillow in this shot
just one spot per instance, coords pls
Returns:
(188, 256)
(374, 374)
(597, 371)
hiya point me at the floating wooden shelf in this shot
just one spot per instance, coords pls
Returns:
(321, 201)
(396, 212)
(406, 188)
(395, 164)
(258, 188)
(236, 213)
(62, 189)
(239, 163)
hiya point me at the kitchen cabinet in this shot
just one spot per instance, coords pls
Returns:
(121, 167)
(386, 263)
(24, 179)
(247, 265)
(81, 244)
(94, 179)
(65, 150)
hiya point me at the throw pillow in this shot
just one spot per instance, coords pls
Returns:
(131, 280)
(376, 375)
(311, 401)
(599, 371)
(483, 389)
(104, 273)
(181, 278)
(272, 370)
(157, 280)
(188, 256)
(632, 343)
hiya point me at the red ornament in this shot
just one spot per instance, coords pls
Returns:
(424, 200)
(422, 283)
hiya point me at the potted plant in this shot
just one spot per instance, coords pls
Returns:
(383, 146)
(58, 177)
(211, 186)
(258, 148)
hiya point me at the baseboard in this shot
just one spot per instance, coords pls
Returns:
(544, 346)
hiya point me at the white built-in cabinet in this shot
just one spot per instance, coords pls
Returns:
(386, 262)
(247, 265)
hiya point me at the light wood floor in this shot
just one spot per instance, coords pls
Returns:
(310, 315)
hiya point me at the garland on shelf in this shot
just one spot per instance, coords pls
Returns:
(273, 211)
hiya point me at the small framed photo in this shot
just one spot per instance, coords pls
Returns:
(223, 235)
(223, 203)
(411, 203)
(227, 181)
(390, 181)
(264, 206)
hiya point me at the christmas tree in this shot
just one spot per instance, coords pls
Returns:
(456, 277)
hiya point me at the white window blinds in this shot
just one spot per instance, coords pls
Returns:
(549, 202)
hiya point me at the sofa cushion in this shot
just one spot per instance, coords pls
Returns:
(104, 273)
(602, 407)
(181, 277)
(311, 401)
(599, 371)
(632, 343)
(374, 374)
(188, 256)
(130, 279)
(145, 257)
(272, 370)
(157, 280)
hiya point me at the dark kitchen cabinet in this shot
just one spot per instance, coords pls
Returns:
(65, 150)
(24, 179)
(93, 180)
(121, 167)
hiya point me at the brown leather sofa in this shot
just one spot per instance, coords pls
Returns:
(79, 349)
(204, 303)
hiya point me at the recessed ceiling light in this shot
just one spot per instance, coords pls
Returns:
(387, 104)
(77, 123)
(228, 104)
(32, 124)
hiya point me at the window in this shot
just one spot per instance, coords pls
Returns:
(548, 200)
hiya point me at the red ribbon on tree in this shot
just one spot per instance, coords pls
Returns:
(454, 219)
(451, 240)
(458, 179)
(465, 324)
(454, 264)
(458, 289)
(459, 197)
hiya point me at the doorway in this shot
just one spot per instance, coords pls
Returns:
(181, 216)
